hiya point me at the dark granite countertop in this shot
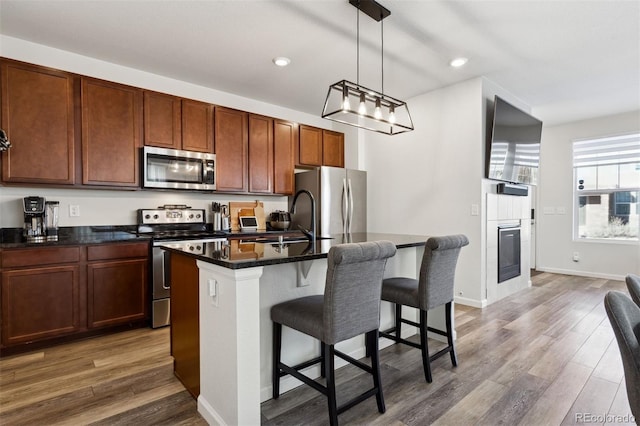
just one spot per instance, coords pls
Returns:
(74, 235)
(247, 253)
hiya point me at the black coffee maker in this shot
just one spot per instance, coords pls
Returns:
(34, 219)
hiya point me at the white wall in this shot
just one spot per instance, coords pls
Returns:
(112, 207)
(555, 243)
(425, 181)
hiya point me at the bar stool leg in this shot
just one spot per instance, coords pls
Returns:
(398, 321)
(277, 350)
(372, 339)
(452, 350)
(426, 363)
(323, 372)
(328, 355)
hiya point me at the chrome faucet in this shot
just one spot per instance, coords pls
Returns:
(309, 233)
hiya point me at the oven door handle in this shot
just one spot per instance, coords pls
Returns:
(166, 270)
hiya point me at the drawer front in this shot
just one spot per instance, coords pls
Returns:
(117, 251)
(17, 258)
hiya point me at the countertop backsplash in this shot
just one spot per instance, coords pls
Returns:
(114, 207)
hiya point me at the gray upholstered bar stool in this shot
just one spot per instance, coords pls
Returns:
(624, 316)
(433, 288)
(633, 285)
(349, 307)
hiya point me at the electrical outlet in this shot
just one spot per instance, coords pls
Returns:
(475, 210)
(576, 256)
(213, 291)
(74, 210)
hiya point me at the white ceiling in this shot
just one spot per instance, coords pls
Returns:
(568, 60)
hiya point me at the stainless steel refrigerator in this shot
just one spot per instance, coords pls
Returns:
(341, 200)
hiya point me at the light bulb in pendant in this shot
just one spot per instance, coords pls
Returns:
(377, 113)
(362, 109)
(346, 106)
(392, 114)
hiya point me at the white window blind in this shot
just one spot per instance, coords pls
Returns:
(605, 151)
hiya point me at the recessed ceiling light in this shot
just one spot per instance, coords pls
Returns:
(458, 62)
(281, 61)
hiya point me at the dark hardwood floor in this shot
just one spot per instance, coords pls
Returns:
(544, 356)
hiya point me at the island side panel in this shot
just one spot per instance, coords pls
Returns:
(185, 347)
(229, 344)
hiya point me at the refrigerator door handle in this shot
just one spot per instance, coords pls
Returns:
(350, 207)
(345, 207)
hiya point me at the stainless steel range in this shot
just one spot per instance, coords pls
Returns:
(178, 226)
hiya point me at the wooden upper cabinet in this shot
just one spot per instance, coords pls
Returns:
(310, 148)
(260, 154)
(332, 148)
(162, 120)
(38, 116)
(197, 126)
(318, 147)
(285, 139)
(231, 148)
(111, 133)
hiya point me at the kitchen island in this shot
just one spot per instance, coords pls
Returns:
(238, 282)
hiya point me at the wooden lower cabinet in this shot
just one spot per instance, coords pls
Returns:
(54, 293)
(116, 292)
(117, 284)
(40, 303)
(185, 328)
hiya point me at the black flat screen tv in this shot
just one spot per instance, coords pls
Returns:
(513, 150)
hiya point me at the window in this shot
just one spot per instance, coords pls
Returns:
(607, 187)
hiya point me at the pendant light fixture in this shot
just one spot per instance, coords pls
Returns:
(353, 104)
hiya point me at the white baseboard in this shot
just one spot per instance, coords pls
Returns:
(581, 273)
(471, 302)
(208, 413)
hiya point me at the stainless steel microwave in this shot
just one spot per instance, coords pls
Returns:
(177, 169)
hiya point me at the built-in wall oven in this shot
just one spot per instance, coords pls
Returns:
(177, 226)
(177, 169)
(508, 251)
